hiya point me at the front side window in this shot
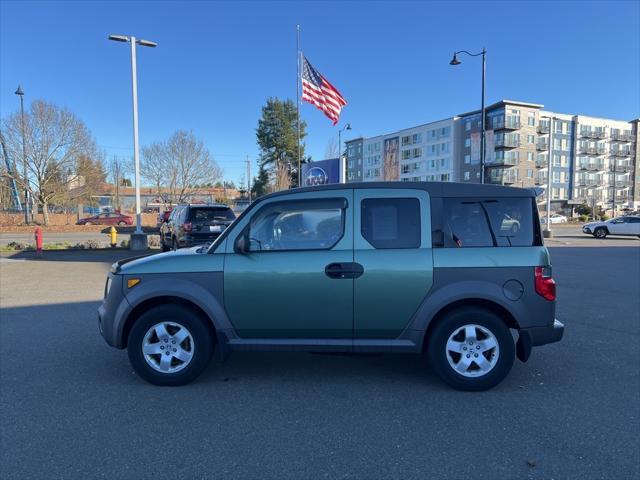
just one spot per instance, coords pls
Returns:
(502, 222)
(391, 222)
(297, 225)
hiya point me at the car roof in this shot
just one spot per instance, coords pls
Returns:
(435, 189)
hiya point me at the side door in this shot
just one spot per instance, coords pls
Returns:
(392, 243)
(295, 277)
(634, 223)
(619, 226)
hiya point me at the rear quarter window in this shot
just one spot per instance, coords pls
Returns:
(489, 222)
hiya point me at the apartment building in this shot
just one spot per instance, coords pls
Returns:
(592, 160)
(422, 153)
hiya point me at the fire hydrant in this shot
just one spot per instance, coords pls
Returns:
(38, 238)
(113, 236)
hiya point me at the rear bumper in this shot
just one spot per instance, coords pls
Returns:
(536, 336)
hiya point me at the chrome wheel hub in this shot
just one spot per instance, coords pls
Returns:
(168, 347)
(472, 350)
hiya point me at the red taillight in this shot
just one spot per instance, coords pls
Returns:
(545, 284)
(187, 226)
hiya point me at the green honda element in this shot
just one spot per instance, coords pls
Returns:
(457, 272)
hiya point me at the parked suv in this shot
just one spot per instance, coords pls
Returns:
(371, 267)
(190, 225)
(628, 225)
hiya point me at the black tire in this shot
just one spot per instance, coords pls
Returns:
(202, 348)
(515, 228)
(438, 357)
(600, 233)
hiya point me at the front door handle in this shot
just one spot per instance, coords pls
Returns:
(343, 270)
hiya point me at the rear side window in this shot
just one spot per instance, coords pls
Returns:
(211, 214)
(391, 222)
(486, 222)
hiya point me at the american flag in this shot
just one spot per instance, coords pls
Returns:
(319, 92)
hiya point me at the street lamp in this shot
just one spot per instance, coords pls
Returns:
(20, 93)
(134, 87)
(454, 61)
(343, 167)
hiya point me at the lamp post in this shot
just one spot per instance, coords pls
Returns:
(136, 157)
(20, 93)
(454, 61)
(343, 167)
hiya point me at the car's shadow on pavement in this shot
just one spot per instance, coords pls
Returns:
(100, 255)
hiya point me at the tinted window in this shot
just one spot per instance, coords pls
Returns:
(391, 222)
(503, 222)
(634, 219)
(211, 214)
(297, 225)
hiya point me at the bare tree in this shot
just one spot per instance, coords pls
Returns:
(55, 142)
(181, 165)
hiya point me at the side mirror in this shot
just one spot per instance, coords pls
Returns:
(241, 244)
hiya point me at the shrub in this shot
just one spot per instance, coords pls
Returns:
(583, 218)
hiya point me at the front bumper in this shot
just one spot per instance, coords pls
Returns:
(536, 336)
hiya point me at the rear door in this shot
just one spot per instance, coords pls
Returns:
(392, 243)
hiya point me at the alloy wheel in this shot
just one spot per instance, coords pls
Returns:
(472, 350)
(168, 347)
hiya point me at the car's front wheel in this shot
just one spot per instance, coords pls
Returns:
(170, 345)
(471, 349)
(122, 224)
(600, 232)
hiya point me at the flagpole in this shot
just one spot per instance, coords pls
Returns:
(298, 101)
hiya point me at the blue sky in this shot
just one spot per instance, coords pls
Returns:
(217, 63)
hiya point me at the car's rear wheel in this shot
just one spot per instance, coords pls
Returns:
(170, 345)
(471, 349)
(122, 224)
(87, 223)
(600, 232)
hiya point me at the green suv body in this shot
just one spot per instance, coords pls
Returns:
(450, 270)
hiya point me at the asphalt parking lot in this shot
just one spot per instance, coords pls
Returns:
(71, 407)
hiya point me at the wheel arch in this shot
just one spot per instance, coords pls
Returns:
(153, 302)
(494, 307)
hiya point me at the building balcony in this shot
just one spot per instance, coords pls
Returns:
(592, 150)
(542, 146)
(622, 167)
(621, 137)
(507, 142)
(622, 183)
(596, 167)
(621, 153)
(543, 128)
(508, 124)
(544, 163)
(589, 182)
(502, 162)
(541, 181)
(595, 134)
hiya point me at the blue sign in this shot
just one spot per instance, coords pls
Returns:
(323, 172)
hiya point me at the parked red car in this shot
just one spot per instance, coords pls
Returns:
(107, 219)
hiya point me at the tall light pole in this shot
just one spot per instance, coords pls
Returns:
(454, 61)
(343, 167)
(547, 229)
(20, 93)
(134, 88)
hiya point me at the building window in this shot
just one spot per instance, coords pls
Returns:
(531, 139)
(467, 175)
(416, 152)
(467, 159)
(467, 125)
(530, 156)
(532, 119)
(529, 173)
(405, 168)
(406, 154)
(416, 166)
(467, 142)
(406, 140)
